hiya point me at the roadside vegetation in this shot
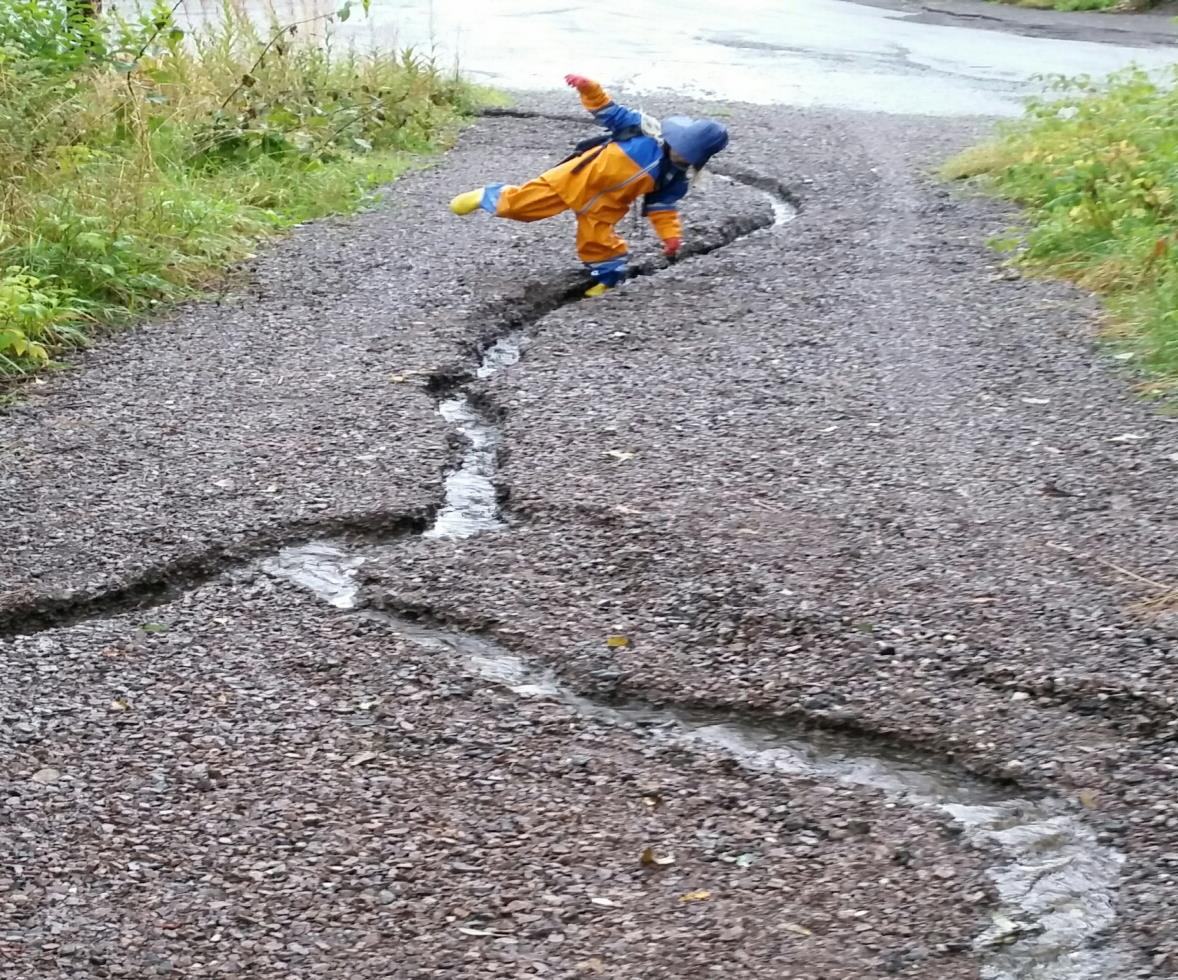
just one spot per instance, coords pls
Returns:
(1126, 6)
(1095, 167)
(137, 163)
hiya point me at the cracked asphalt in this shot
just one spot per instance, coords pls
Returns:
(848, 471)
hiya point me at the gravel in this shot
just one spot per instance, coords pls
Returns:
(849, 471)
(254, 785)
(854, 472)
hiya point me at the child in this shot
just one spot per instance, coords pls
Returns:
(639, 157)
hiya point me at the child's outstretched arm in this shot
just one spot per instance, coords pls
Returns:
(612, 116)
(661, 207)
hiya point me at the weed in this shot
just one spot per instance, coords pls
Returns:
(1095, 166)
(137, 162)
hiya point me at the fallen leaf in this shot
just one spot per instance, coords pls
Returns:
(649, 858)
(118, 704)
(361, 757)
(796, 929)
(594, 965)
(46, 776)
(154, 628)
(605, 903)
(621, 455)
(617, 641)
(653, 800)
(698, 896)
(1089, 799)
(471, 931)
(397, 378)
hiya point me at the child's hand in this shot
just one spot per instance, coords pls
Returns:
(671, 247)
(579, 82)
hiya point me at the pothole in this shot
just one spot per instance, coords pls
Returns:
(1055, 880)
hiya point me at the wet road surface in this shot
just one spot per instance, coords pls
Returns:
(400, 616)
(899, 58)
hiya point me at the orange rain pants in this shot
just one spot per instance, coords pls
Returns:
(537, 199)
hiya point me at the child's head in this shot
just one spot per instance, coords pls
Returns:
(693, 142)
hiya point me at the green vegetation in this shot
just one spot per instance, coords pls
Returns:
(1096, 168)
(137, 163)
(1071, 5)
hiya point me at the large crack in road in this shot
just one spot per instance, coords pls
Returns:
(1055, 877)
(1057, 883)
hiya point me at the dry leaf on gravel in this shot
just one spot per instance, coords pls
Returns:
(618, 641)
(702, 895)
(796, 929)
(650, 859)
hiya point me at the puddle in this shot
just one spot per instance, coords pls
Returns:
(1056, 882)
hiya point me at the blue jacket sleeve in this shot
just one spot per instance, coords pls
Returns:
(616, 117)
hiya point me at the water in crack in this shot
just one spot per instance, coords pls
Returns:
(783, 211)
(1056, 882)
(324, 568)
(471, 501)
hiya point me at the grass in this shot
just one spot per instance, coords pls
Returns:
(1095, 166)
(1067, 5)
(1074, 5)
(138, 162)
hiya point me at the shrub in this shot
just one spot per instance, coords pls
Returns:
(137, 162)
(1096, 168)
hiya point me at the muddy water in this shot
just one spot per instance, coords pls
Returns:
(1057, 883)
(881, 56)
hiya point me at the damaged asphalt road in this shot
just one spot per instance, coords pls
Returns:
(845, 472)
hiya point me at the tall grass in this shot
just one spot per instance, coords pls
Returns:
(138, 161)
(1096, 168)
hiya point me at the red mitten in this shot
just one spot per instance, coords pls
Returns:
(579, 82)
(671, 247)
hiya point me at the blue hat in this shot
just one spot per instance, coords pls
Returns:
(696, 140)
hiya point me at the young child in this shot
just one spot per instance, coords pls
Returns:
(640, 156)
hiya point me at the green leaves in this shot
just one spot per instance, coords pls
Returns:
(30, 309)
(138, 165)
